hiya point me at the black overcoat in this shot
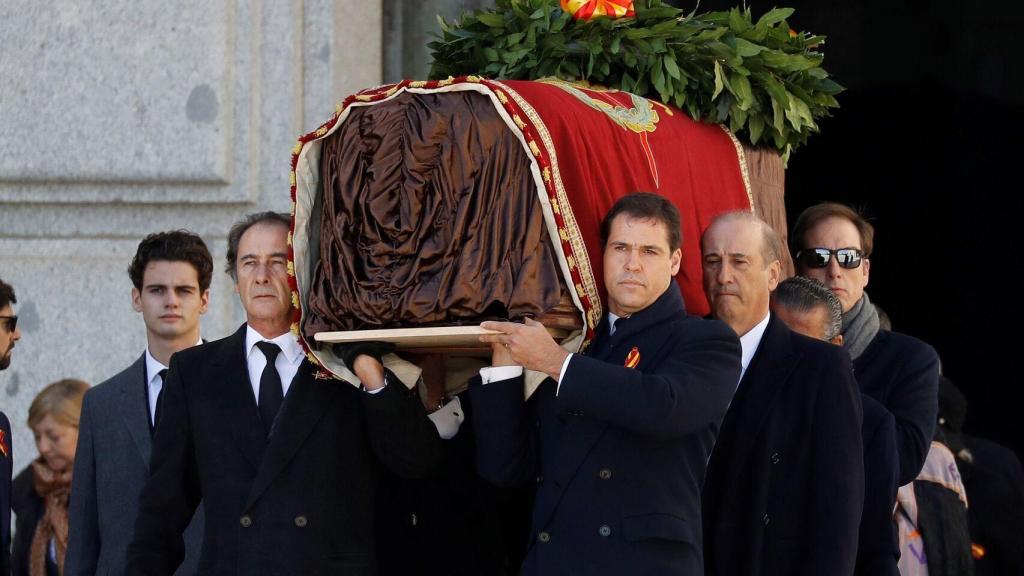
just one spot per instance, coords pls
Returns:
(619, 453)
(785, 485)
(300, 502)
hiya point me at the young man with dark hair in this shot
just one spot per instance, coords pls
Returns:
(9, 334)
(616, 438)
(170, 275)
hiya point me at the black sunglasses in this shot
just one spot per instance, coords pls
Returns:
(12, 322)
(819, 257)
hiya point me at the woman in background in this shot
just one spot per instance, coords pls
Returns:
(40, 493)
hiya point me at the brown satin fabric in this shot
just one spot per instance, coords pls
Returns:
(768, 187)
(428, 215)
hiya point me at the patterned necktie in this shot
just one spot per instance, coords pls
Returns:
(159, 399)
(271, 391)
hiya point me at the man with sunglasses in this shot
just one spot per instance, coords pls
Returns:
(9, 334)
(832, 243)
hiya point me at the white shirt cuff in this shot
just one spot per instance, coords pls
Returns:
(490, 374)
(448, 418)
(561, 373)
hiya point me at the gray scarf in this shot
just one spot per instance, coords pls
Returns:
(860, 325)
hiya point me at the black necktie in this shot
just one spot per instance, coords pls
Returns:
(159, 398)
(271, 392)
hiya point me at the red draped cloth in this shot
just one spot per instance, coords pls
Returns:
(584, 149)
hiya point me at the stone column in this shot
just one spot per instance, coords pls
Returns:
(120, 118)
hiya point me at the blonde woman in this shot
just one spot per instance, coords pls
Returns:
(40, 492)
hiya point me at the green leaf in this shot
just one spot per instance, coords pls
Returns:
(670, 66)
(615, 44)
(775, 16)
(719, 81)
(756, 127)
(491, 19)
(747, 49)
(515, 38)
(737, 23)
(741, 88)
(491, 54)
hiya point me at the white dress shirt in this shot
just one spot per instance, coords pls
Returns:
(154, 383)
(490, 374)
(749, 343)
(287, 361)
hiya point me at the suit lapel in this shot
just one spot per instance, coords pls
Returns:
(304, 405)
(232, 370)
(768, 374)
(133, 406)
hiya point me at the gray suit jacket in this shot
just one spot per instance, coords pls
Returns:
(111, 466)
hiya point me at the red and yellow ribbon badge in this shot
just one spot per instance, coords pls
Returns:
(633, 358)
(3, 444)
(587, 9)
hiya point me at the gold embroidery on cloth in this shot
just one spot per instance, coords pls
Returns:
(571, 229)
(741, 155)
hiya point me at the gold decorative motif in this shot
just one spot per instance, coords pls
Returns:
(546, 173)
(291, 264)
(571, 262)
(295, 300)
(554, 207)
(294, 328)
(519, 122)
(575, 239)
(364, 97)
(472, 79)
(534, 148)
(321, 131)
(446, 82)
(642, 117)
(417, 84)
(501, 96)
(297, 148)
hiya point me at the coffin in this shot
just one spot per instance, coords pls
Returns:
(433, 204)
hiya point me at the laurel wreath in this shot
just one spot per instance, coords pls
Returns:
(760, 78)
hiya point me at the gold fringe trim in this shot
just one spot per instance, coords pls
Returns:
(741, 155)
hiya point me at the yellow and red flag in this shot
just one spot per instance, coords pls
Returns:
(587, 9)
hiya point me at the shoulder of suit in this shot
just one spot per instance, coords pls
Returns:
(108, 386)
(4, 421)
(904, 345)
(205, 350)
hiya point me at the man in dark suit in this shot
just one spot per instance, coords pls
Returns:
(9, 334)
(811, 309)
(171, 275)
(832, 243)
(785, 483)
(616, 439)
(283, 462)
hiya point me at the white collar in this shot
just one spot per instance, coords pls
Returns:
(153, 366)
(612, 319)
(750, 341)
(287, 342)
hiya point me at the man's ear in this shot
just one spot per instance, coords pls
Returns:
(677, 258)
(205, 299)
(774, 275)
(136, 300)
(838, 340)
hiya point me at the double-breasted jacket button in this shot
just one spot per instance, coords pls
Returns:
(540, 479)
(604, 473)
(776, 458)
(766, 519)
(543, 537)
(245, 521)
(301, 521)
(604, 530)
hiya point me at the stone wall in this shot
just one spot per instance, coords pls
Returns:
(122, 118)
